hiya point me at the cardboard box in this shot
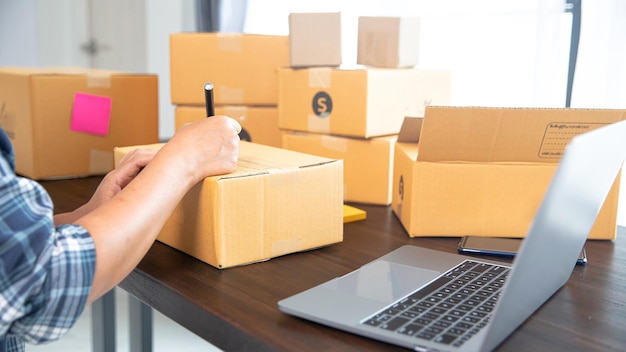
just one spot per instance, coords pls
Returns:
(259, 123)
(242, 67)
(388, 41)
(360, 103)
(367, 163)
(276, 202)
(484, 171)
(314, 39)
(64, 122)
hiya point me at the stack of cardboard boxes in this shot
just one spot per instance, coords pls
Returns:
(277, 201)
(243, 71)
(354, 114)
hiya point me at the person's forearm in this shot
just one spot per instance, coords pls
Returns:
(124, 229)
(69, 217)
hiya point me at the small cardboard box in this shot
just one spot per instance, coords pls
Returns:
(65, 122)
(388, 41)
(276, 202)
(484, 171)
(242, 67)
(259, 123)
(360, 103)
(367, 163)
(314, 39)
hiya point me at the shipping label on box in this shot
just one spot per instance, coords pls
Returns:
(242, 67)
(65, 122)
(368, 163)
(315, 39)
(276, 202)
(388, 41)
(484, 171)
(361, 103)
(259, 124)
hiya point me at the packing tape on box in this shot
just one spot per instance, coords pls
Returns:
(229, 95)
(238, 113)
(335, 143)
(99, 79)
(229, 41)
(288, 176)
(318, 124)
(319, 77)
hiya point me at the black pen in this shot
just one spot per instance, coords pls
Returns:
(208, 99)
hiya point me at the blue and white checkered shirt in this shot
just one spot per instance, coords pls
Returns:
(45, 272)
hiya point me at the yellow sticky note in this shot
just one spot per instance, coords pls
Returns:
(351, 213)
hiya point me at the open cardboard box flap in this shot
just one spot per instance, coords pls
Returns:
(483, 171)
(478, 134)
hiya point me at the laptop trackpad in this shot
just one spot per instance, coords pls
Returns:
(382, 281)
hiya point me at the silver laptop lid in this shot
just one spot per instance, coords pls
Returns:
(585, 175)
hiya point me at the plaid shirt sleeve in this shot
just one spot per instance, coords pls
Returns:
(45, 272)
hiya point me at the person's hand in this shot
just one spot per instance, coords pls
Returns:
(114, 181)
(132, 214)
(206, 148)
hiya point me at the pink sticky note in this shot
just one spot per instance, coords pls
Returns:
(91, 114)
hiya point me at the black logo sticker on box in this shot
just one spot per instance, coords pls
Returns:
(559, 134)
(322, 104)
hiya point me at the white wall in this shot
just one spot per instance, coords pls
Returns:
(18, 33)
(500, 52)
(162, 18)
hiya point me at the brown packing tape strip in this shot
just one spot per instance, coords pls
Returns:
(320, 77)
(238, 113)
(229, 41)
(318, 124)
(99, 79)
(229, 95)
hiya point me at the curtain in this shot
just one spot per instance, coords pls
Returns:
(220, 15)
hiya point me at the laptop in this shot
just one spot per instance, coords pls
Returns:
(428, 300)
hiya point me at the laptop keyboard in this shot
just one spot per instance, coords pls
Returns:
(449, 310)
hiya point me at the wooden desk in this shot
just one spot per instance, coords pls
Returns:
(236, 308)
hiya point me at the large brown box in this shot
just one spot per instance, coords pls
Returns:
(242, 67)
(484, 171)
(315, 39)
(367, 163)
(38, 109)
(276, 202)
(361, 103)
(388, 41)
